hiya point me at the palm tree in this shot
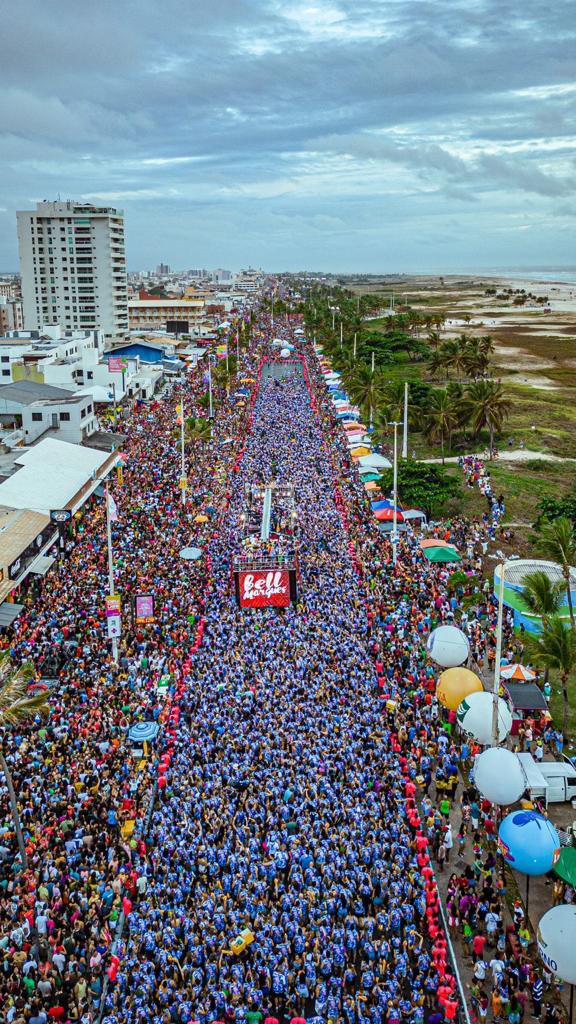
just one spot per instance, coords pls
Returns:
(555, 648)
(16, 707)
(196, 429)
(557, 541)
(485, 405)
(365, 388)
(434, 339)
(474, 359)
(540, 595)
(486, 343)
(440, 418)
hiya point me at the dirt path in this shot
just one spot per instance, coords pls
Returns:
(509, 455)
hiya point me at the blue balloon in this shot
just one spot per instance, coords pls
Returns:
(528, 842)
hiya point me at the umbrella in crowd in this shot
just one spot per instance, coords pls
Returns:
(518, 672)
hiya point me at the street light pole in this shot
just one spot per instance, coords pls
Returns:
(355, 337)
(373, 362)
(496, 689)
(210, 409)
(395, 424)
(341, 333)
(110, 566)
(182, 453)
(115, 407)
(405, 431)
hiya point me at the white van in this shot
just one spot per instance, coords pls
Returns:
(550, 781)
(561, 779)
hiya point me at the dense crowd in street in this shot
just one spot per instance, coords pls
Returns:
(287, 871)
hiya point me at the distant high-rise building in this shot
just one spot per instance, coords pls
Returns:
(73, 267)
(162, 270)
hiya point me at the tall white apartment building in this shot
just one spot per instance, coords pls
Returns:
(73, 267)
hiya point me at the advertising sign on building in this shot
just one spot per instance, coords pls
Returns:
(269, 588)
(116, 364)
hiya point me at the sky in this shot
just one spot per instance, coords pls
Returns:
(336, 135)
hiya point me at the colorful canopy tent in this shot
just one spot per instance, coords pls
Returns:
(517, 672)
(565, 866)
(386, 515)
(435, 542)
(414, 513)
(358, 452)
(386, 503)
(376, 461)
(367, 477)
(442, 554)
(371, 486)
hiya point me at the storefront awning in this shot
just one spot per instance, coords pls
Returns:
(41, 564)
(9, 612)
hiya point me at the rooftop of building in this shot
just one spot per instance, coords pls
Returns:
(26, 392)
(54, 474)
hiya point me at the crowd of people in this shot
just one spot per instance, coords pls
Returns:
(285, 868)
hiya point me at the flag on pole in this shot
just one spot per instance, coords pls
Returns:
(112, 509)
(221, 351)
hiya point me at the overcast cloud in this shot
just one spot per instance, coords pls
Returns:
(339, 134)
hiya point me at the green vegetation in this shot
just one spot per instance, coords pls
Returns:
(422, 486)
(17, 705)
(555, 649)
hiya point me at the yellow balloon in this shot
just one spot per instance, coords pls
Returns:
(456, 683)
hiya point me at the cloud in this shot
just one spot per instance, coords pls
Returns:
(275, 124)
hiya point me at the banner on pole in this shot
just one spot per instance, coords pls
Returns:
(116, 364)
(114, 624)
(113, 605)
(144, 608)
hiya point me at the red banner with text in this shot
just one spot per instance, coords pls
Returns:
(264, 589)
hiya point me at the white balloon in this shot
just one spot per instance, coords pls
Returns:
(474, 716)
(448, 646)
(557, 941)
(498, 775)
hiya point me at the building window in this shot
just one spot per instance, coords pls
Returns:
(5, 373)
(37, 417)
(65, 416)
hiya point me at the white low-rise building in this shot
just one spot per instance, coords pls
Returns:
(54, 474)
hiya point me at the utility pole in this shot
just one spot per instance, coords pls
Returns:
(496, 689)
(355, 337)
(373, 362)
(210, 409)
(341, 333)
(405, 431)
(115, 408)
(182, 452)
(395, 424)
(110, 566)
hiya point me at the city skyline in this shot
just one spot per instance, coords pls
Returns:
(409, 136)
